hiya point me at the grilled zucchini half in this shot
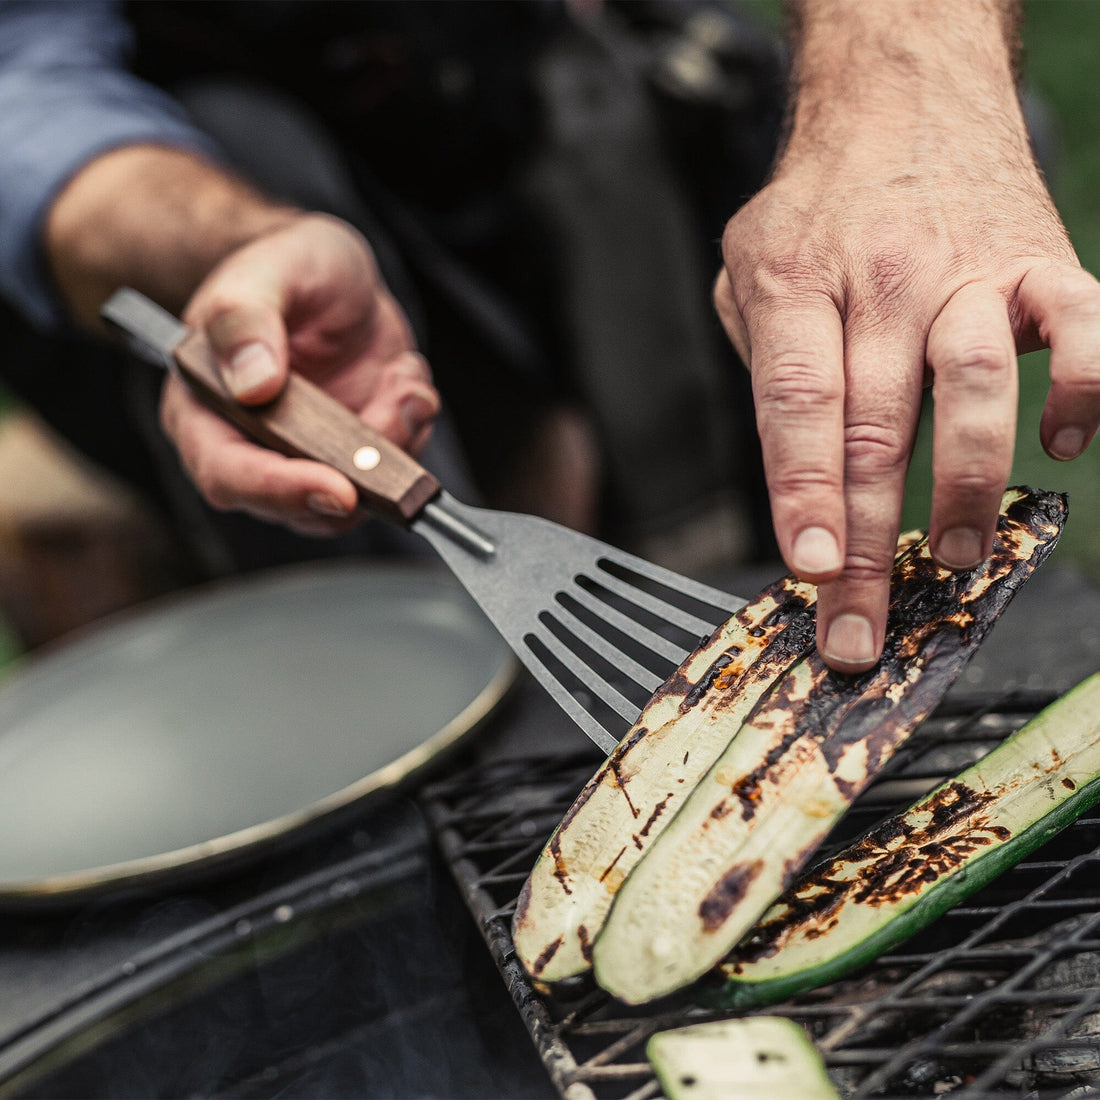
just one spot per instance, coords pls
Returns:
(622, 809)
(686, 724)
(907, 871)
(756, 817)
(761, 1058)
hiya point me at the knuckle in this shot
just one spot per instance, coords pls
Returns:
(793, 384)
(974, 483)
(1080, 301)
(805, 483)
(974, 362)
(210, 480)
(1076, 374)
(866, 568)
(889, 270)
(787, 277)
(214, 491)
(873, 450)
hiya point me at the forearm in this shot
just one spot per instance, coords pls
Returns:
(908, 72)
(152, 217)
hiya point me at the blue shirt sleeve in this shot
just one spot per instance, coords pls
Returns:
(65, 98)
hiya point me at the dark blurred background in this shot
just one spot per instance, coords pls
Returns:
(69, 540)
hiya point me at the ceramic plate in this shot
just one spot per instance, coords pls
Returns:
(226, 718)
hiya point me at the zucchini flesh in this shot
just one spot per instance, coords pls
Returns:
(686, 724)
(755, 818)
(907, 871)
(759, 1058)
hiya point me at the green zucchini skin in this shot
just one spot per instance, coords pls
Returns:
(1059, 746)
(754, 820)
(626, 803)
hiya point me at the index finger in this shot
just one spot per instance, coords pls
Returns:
(797, 365)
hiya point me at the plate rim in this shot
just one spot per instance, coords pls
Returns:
(210, 854)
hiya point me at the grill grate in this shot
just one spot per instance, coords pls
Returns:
(998, 998)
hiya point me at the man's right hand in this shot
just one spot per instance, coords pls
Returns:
(308, 297)
(274, 288)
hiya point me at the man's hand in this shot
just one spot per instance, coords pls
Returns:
(274, 288)
(307, 296)
(906, 236)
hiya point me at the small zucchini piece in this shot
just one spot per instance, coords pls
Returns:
(686, 724)
(907, 871)
(759, 1058)
(752, 822)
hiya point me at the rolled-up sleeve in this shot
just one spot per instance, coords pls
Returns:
(65, 98)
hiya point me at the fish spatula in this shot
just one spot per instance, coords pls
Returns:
(600, 629)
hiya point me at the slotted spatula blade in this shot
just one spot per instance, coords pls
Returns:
(600, 629)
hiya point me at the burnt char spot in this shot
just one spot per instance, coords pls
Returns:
(954, 804)
(586, 942)
(652, 819)
(543, 959)
(1069, 784)
(561, 871)
(611, 866)
(677, 686)
(628, 745)
(613, 767)
(706, 682)
(718, 904)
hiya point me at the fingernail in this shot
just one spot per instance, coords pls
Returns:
(250, 368)
(850, 640)
(1067, 443)
(815, 551)
(960, 548)
(325, 504)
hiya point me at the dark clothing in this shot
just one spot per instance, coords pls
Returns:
(545, 200)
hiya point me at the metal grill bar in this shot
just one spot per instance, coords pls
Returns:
(982, 1005)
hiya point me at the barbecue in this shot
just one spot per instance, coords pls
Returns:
(999, 998)
(353, 964)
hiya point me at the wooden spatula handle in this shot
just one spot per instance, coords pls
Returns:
(304, 422)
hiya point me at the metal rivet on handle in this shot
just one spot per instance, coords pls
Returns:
(366, 458)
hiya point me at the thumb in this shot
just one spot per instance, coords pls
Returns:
(250, 348)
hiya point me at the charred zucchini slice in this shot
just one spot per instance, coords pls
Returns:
(752, 822)
(761, 1058)
(910, 869)
(683, 728)
(622, 809)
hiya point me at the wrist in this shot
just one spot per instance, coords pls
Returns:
(923, 76)
(152, 217)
